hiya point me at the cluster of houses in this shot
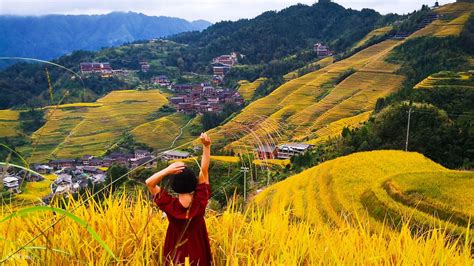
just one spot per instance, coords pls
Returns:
(283, 151)
(75, 174)
(200, 98)
(105, 70)
(221, 65)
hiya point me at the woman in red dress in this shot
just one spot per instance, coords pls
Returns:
(186, 236)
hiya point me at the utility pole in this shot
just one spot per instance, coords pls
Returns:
(244, 170)
(408, 128)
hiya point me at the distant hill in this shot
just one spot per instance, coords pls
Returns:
(47, 37)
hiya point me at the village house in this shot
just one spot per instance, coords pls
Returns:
(98, 178)
(185, 107)
(175, 155)
(217, 80)
(90, 169)
(62, 163)
(322, 50)
(208, 91)
(147, 162)
(266, 152)
(161, 80)
(220, 70)
(177, 100)
(12, 183)
(144, 66)
(229, 60)
(121, 158)
(43, 169)
(139, 154)
(97, 68)
(86, 159)
(181, 88)
(288, 150)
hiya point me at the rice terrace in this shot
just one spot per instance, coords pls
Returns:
(264, 133)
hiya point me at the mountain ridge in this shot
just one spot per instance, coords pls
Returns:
(51, 36)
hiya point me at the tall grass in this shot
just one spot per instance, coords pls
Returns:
(134, 229)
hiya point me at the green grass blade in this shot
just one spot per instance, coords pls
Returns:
(71, 216)
(21, 167)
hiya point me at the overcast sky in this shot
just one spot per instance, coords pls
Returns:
(211, 10)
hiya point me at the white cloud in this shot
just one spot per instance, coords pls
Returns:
(212, 10)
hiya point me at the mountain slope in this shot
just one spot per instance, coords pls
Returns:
(73, 130)
(318, 105)
(56, 35)
(306, 104)
(388, 185)
(275, 35)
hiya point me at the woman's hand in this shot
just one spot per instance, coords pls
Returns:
(175, 168)
(205, 140)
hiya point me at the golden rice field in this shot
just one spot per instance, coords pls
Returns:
(160, 133)
(227, 159)
(34, 191)
(448, 79)
(74, 130)
(9, 123)
(287, 225)
(453, 17)
(301, 106)
(272, 162)
(375, 33)
(334, 129)
(321, 63)
(378, 187)
(247, 89)
(355, 95)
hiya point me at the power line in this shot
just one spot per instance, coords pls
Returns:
(408, 128)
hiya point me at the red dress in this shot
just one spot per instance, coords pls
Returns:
(187, 234)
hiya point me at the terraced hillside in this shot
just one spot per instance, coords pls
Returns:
(247, 89)
(385, 185)
(375, 33)
(74, 130)
(302, 106)
(452, 18)
(161, 133)
(447, 79)
(317, 64)
(9, 123)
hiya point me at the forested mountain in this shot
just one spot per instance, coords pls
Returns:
(273, 35)
(47, 37)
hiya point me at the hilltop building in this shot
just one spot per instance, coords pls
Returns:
(11, 183)
(221, 65)
(266, 152)
(288, 150)
(175, 155)
(97, 68)
(322, 50)
(144, 66)
(161, 80)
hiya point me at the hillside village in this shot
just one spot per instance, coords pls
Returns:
(188, 98)
(72, 175)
